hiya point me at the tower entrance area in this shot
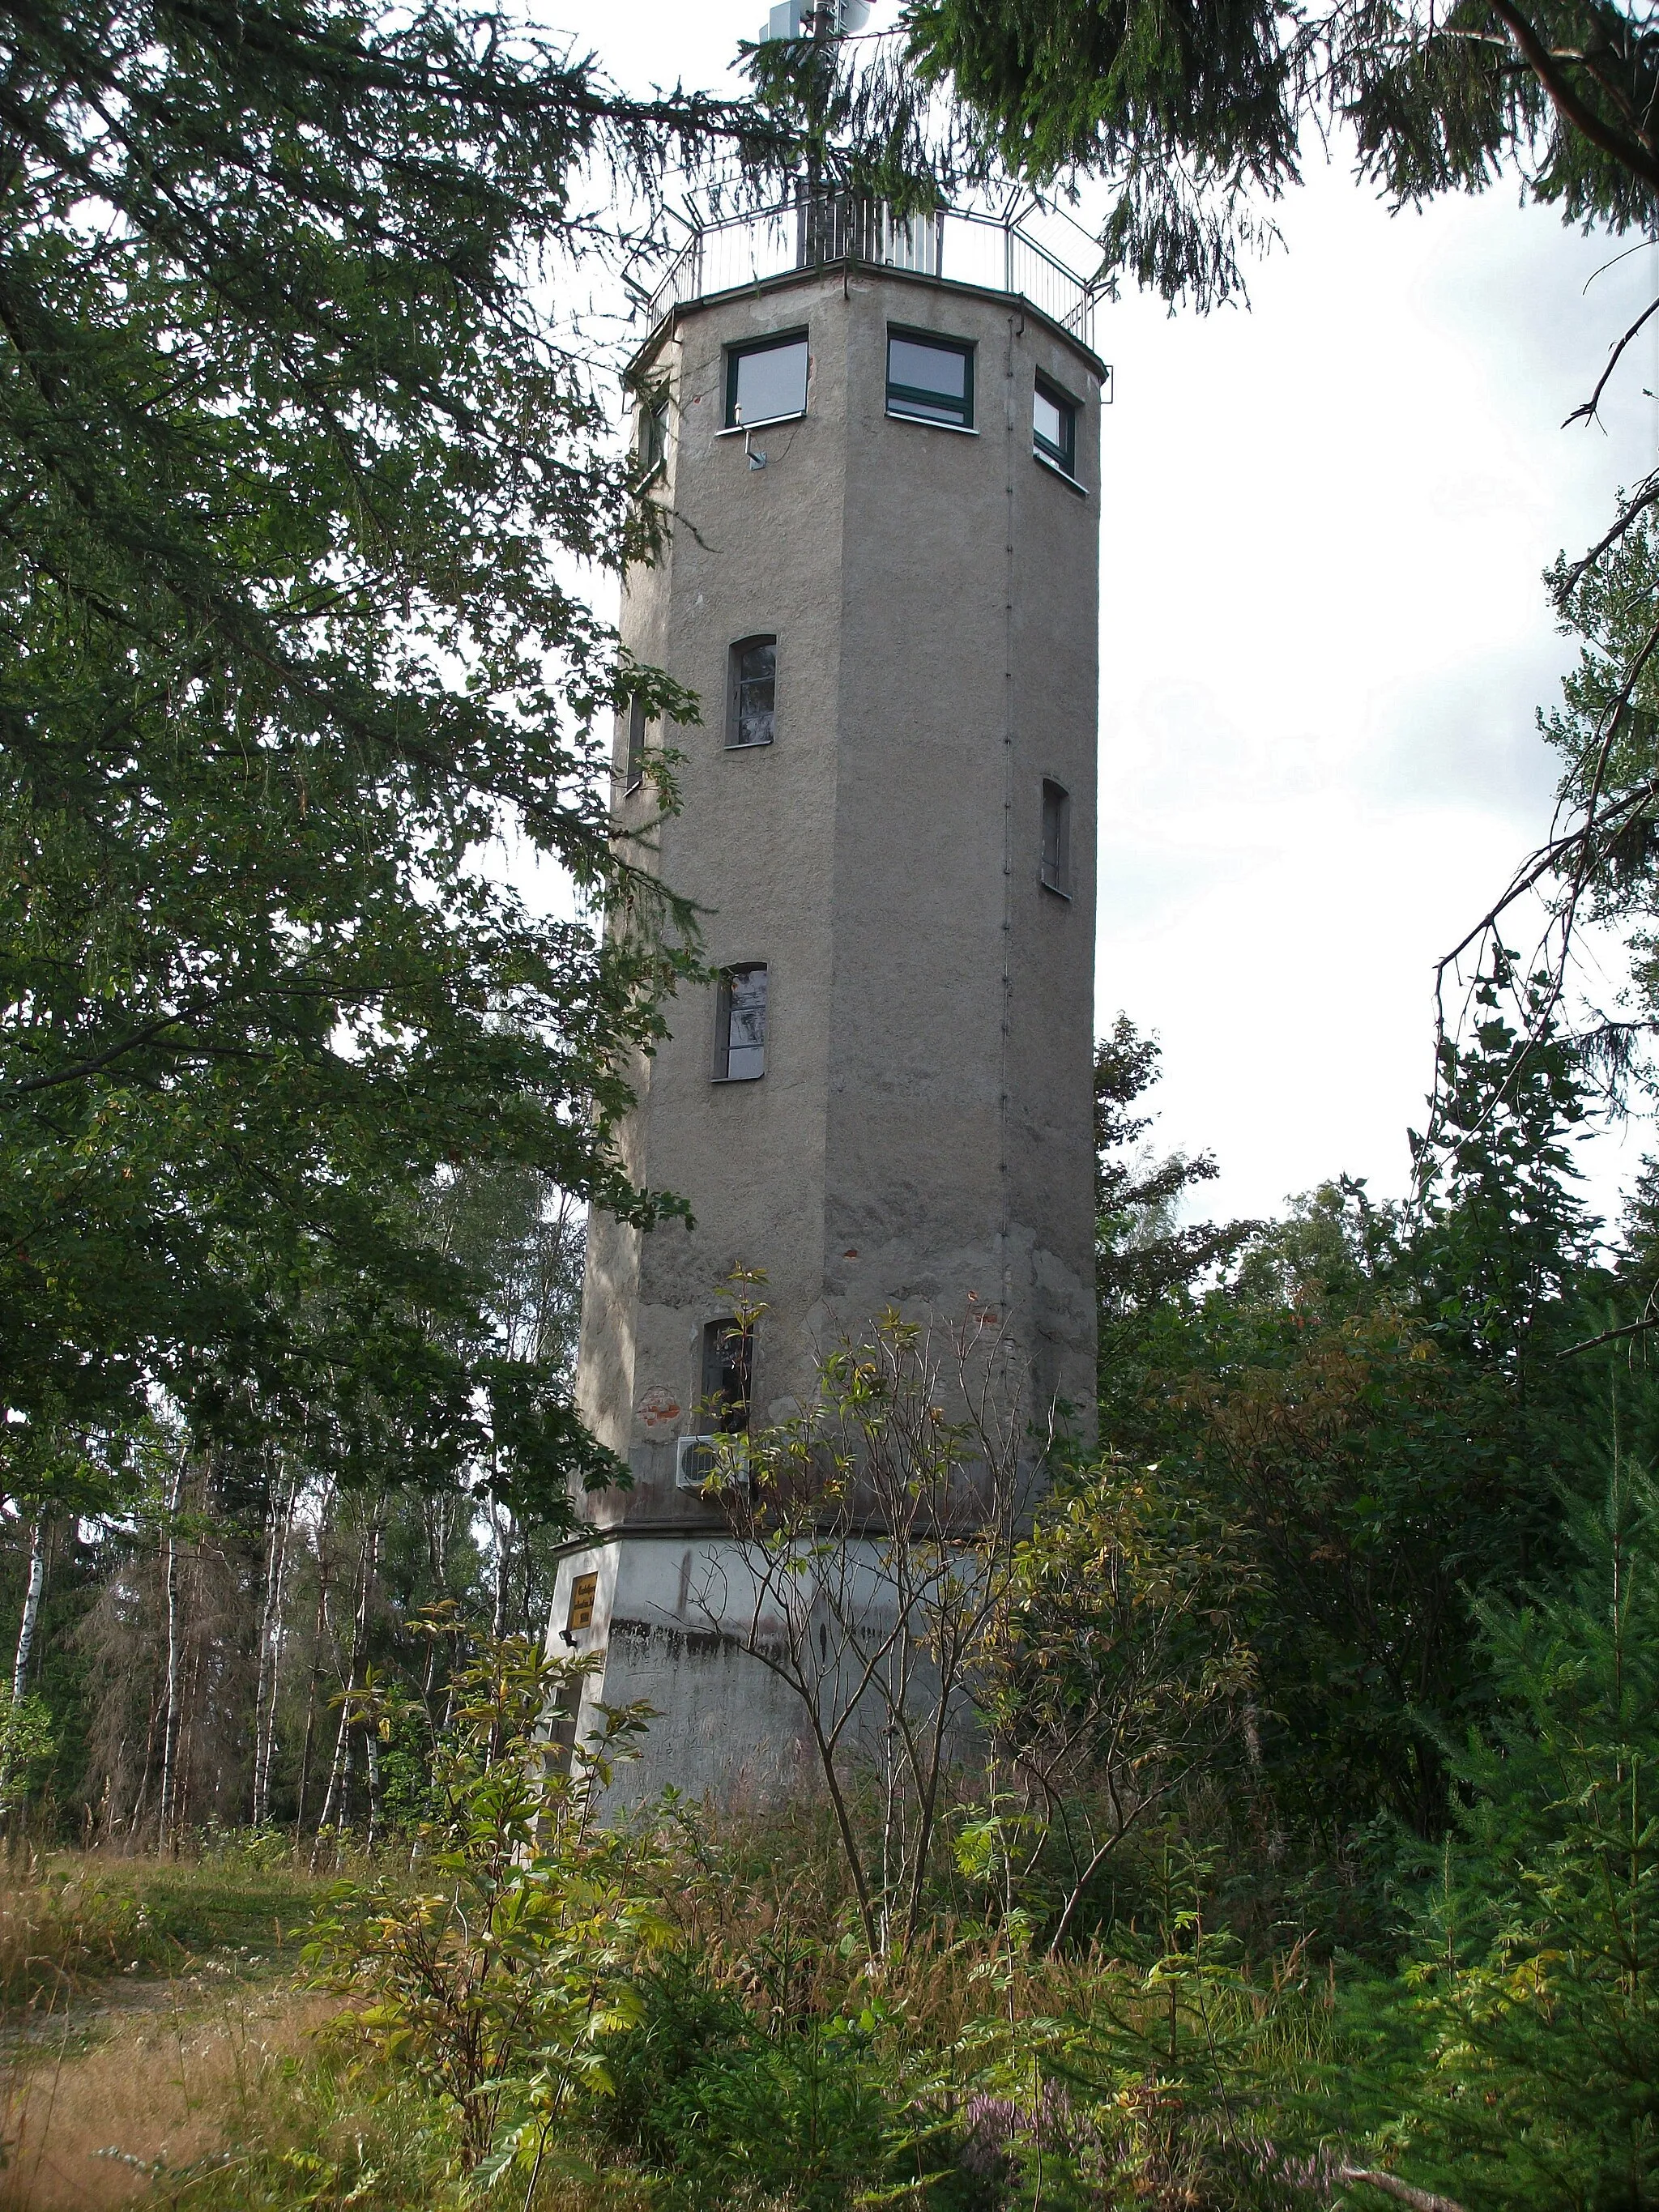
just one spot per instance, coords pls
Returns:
(882, 486)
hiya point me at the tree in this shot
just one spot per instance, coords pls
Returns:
(1372, 1399)
(1113, 1683)
(875, 1540)
(1149, 1265)
(1194, 117)
(291, 450)
(1537, 1951)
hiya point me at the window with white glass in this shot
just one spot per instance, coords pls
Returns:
(741, 1024)
(1054, 427)
(930, 379)
(766, 382)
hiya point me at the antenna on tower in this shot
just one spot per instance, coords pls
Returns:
(815, 19)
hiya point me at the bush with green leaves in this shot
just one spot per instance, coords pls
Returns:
(729, 2112)
(1535, 1980)
(497, 1972)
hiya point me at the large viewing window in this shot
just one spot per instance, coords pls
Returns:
(930, 379)
(1056, 838)
(752, 689)
(741, 1024)
(766, 382)
(1054, 427)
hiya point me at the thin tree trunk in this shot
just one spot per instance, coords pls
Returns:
(339, 1771)
(141, 1800)
(339, 1778)
(20, 1672)
(371, 1759)
(498, 1548)
(316, 1668)
(171, 1716)
(271, 1644)
(371, 1727)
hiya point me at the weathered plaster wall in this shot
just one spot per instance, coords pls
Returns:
(923, 1133)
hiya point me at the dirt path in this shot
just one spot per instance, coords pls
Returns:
(99, 2095)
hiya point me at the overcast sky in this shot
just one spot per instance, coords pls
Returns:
(1324, 633)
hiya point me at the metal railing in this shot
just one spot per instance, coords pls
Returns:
(963, 246)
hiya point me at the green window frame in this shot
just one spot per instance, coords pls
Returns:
(778, 342)
(912, 400)
(1054, 426)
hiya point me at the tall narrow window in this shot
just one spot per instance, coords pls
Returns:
(633, 772)
(1054, 427)
(741, 1024)
(1056, 838)
(653, 434)
(766, 382)
(727, 1363)
(930, 379)
(753, 686)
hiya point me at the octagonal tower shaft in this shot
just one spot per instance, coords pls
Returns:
(909, 859)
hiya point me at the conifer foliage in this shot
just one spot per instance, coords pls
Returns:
(295, 434)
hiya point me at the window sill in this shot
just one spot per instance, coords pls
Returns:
(927, 423)
(747, 744)
(1055, 891)
(761, 1078)
(741, 429)
(1065, 475)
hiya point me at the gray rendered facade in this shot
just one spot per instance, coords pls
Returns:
(922, 1135)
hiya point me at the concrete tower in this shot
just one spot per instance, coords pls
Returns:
(881, 579)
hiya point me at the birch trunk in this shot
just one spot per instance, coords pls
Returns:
(20, 1672)
(340, 1772)
(352, 1680)
(371, 1759)
(323, 1509)
(168, 1811)
(371, 1736)
(497, 1545)
(270, 1646)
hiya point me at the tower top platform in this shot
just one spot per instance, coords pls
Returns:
(980, 250)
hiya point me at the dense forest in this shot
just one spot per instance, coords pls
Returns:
(1258, 1808)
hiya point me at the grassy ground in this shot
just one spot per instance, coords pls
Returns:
(160, 2047)
(146, 2009)
(72, 1921)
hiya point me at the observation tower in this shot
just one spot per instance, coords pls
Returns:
(877, 443)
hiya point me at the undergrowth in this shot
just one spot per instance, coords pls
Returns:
(71, 1920)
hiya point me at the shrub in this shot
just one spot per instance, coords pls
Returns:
(497, 1980)
(1536, 1973)
(732, 2115)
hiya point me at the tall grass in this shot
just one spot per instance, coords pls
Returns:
(140, 2004)
(117, 2111)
